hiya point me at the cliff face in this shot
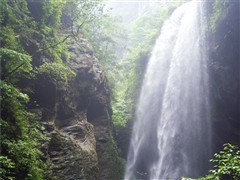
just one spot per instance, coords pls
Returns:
(224, 69)
(78, 118)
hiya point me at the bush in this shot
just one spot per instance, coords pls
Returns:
(21, 137)
(57, 73)
(227, 164)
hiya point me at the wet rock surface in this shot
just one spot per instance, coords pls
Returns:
(224, 69)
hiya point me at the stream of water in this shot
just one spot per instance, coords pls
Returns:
(171, 134)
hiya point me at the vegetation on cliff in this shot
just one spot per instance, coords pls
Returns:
(219, 9)
(35, 40)
(226, 164)
(123, 49)
(130, 71)
(21, 137)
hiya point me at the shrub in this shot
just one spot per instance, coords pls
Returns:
(57, 73)
(227, 164)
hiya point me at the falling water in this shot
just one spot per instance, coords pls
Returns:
(171, 136)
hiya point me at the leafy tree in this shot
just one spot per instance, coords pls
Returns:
(106, 34)
(17, 28)
(21, 137)
(65, 17)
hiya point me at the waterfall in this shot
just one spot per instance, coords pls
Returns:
(171, 134)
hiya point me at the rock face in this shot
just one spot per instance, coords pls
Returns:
(78, 119)
(224, 71)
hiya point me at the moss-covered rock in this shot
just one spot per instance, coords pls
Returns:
(77, 115)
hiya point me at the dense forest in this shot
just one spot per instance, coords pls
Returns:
(73, 74)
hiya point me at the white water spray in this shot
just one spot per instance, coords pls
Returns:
(171, 135)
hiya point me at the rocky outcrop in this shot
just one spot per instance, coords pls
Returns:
(77, 117)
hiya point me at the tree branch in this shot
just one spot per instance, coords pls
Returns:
(73, 34)
(14, 70)
(54, 45)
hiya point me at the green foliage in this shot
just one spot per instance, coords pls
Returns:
(83, 11)
(62, 23)
(55, 46)
(116, 164)
(144, 31)
(109, 38)
(7, 165)
(227, 164)
(32, 40)
(209, 177)
(219, 8)
(11, 60)
(57, 73)
(106, 35)
(17, 28)
(9, 39)
(52, 11)
(146, 28)
(21, 137)
(120, 115)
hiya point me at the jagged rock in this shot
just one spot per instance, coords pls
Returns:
(78, 119)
